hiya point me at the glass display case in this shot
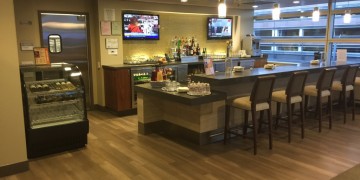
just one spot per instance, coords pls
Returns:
(54, 108)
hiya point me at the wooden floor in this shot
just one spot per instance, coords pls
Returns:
(117, 151)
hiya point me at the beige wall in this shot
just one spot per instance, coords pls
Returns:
(12, 131)
(182, 16)
(28, 30)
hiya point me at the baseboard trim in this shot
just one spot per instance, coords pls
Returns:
(177, 132)
(117, 113)
(14, 168)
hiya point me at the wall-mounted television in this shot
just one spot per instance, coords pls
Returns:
(140, 26)
(219, 28)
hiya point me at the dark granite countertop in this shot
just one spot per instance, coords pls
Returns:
(222, 78)
(179, 97)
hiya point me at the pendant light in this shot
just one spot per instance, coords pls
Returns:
(276, 12)
(316, 15)
(347, 16)
(222, 9)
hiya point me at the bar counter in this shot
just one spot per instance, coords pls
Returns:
(200, 119)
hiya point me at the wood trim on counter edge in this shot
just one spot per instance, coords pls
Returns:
(14, 168)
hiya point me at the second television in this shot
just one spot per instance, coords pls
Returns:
(219, 28)
(140, 26)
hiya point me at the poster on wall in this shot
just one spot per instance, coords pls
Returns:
(109, 14)
(105, 28)
(111, 43)
(41, 56)
(116, 28)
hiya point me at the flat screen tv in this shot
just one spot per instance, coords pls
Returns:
(140, 26)
(219, 28)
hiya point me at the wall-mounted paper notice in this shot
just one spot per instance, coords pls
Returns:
(105, 28)
(109, 14)
(111, 43)
(116, 28)
(341, 55)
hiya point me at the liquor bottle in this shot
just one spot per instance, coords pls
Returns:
(204, 52)
(193, 46)
(198, 49)
(191, 50)
(154, 74)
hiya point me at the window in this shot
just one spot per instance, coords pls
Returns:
(350, 30)
(263, 33)
(55, 43)
(314, 32)
(288, 32)
(353, 50)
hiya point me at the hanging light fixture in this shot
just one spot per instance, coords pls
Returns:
(347, 16)
(222, 9)
(276, 12)
(316, 15)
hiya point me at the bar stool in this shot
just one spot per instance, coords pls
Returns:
(356, 87)
(320, 90)
(347, 84)
(259, 100)
(293, 94)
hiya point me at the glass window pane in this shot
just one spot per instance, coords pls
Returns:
(314, 32)
(263, 33)
(341, 4)
(347, 30)
(291, 52)
(288, 32)
(55, 43)
(353, 51)
(292, 27)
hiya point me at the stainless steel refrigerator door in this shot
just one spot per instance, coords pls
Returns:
(72, 29)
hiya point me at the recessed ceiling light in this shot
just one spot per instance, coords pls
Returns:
(184, 0)
(255, 6)
(296, 2)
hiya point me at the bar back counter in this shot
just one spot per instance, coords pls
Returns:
(200, 119)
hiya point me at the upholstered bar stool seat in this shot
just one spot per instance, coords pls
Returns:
(320, 90)
(291, 95)
(347, 85)
(259, 100)
(280, 96)
(357, 81)
(337, 86)
(311, 90)
(245, 103)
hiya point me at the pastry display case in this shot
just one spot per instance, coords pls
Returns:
(54, 108)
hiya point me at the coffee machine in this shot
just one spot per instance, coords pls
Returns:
(252, 45)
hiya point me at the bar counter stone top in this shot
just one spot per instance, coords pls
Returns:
(222, 78)
(182, 97)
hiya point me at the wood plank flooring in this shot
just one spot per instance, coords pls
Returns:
(116, 151)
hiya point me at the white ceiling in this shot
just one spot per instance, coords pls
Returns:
(240, 4)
